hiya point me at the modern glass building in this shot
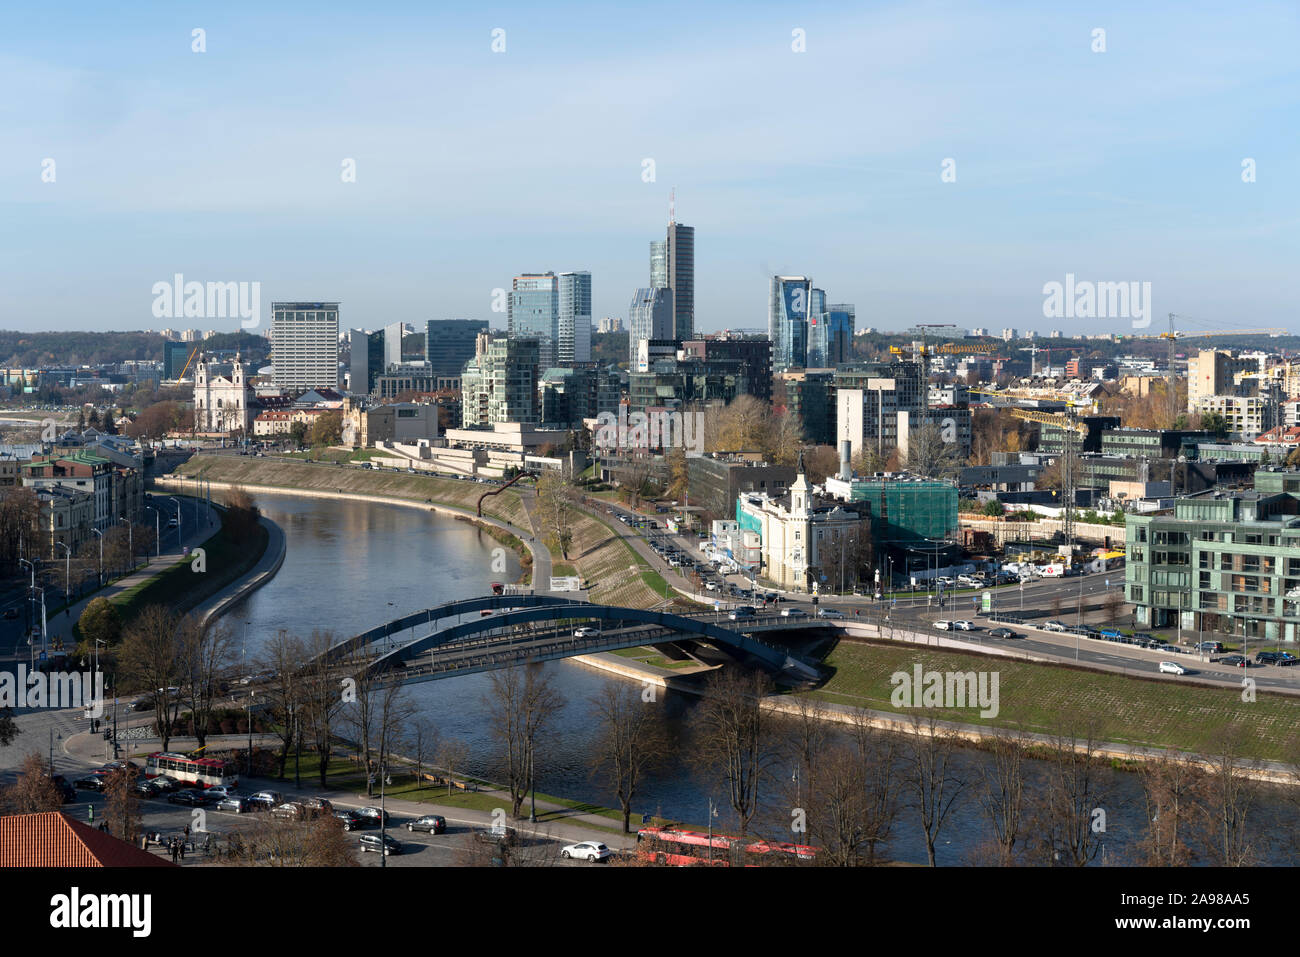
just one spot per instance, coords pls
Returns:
(659, 264)
(650, 316)
(840, 318)
(176, 355)
(787, 321)
(367, 363)
(534, 312)
(305, 345)
(449, 343)
(573, 323)
(681, 278)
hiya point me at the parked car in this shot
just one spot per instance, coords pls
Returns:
(380, 843)
(1212, 647)
(1003, 633)
(94, 781)
(592, 851)
(372, 815)
(433, 823)
(164, 783)
(264, 800)
(497, 834)
(1234, 661)
(351, 819)
(236, 803)
(316, 806)
(1110, 634)
(1267, 658)
(1172, 668)
(793, 613)
(146, 788)
(221, 790)
(190, 798)
(290, 812)
(1054, 625)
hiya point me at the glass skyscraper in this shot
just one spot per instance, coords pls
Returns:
(573, 325)
(650, 316)
(659, 264)
(681, 278)
(789, 300)
(534, 313)
(449, 343)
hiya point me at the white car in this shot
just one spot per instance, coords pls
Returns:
(587, 631)
(793, 613)
(592, 851)
(963, 625)
(943, 624)
(1172, 668)
(1053, 626)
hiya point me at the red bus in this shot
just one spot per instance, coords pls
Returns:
(203, 772)
(679, 848)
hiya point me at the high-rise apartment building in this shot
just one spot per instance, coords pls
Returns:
(789, 300)
(449, 344)
(533, 312)
(500, 383)
(573, 323)
(305, 345)
(650, 316)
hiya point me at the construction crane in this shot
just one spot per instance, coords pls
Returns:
(187, 362)
(1033, 355)
(1173, 335)
(1071, 431)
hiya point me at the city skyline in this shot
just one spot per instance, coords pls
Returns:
(1102, 165)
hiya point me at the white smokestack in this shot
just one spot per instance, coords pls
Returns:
(846, 451)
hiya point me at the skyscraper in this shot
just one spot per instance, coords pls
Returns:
(573, 327)
(787, 321)
(659, 264)
(305, 345)
(534, 313)
(393, 334)
(367, 361)
(650, 316)
(681, 278)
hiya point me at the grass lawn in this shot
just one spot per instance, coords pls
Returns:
(1136, 711)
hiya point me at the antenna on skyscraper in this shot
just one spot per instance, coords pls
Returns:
(672, 206)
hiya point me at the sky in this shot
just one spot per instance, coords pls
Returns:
(473, 166)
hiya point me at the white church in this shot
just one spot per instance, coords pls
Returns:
(222, 404)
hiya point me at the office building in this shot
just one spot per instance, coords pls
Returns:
(787, 321)
(176, 357)
(449, 344)
(875, 401)
(573, 322)
(659, 264)
(681, 278)
(534, 313)
(367, 362)
(753, 353)
(500, 383)
(305, 345)
(650, 316)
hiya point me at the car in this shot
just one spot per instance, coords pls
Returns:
(741, 611)
(147, 788)
(1234, 661)
(315, 807)
(237, 803)
(191, 798)
(943, 624)
(351, 819)
(290, 811)
(1212, 647)
(172, 523)
(373, 815)
(380, 843)
(963, 625)
(95, 781)
(498, 834)
(1267, 658)
(831, 613)
(1287, 660)
(587, 631)
(11, 614)
(1054, 625)
(221, 790)
(433, 823)
(1110, 634)
(592, 851)
(67, 793)
(143, 704)
(711, 585)
(946, 581)
(1172, 668)
(1002, 633)
(263, 800)
(793, 613)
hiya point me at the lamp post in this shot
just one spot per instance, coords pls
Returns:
(100, 536)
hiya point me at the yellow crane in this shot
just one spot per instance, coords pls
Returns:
(187, 363)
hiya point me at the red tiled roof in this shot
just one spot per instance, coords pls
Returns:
(52, 839)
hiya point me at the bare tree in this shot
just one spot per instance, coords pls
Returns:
(1230, 796)
(121, 805)
(630, 740)
(282, 660)
(275, 842)
(205, 657)
(151, 660)
(8, 727)
(34, 790)
(934, 784)
(731, 733)
(524, 703)
(422, 740)
(928, 454)
(1173, 787)
(878, 751)
(1002, 792)
(452, 754)
(557, 505)
(322, 697)
(1072, 817)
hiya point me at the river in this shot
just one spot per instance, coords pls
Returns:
(352, 565)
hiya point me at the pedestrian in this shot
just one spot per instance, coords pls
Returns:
(175, 852)
(182, 852)
(187, 832)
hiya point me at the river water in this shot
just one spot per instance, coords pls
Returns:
(352, 565)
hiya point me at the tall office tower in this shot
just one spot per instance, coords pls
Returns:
(681, 278)
(839, 334)
(818, 344)
(367, 363)
(650, 316)
(573, 327)
(787, 321)
(659, 264)
(534, 313)
(393, 334)
(305, 345)
(449, 343)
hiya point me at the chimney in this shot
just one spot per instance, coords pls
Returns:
(846, 448)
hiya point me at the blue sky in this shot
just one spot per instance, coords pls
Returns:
(473, 166)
